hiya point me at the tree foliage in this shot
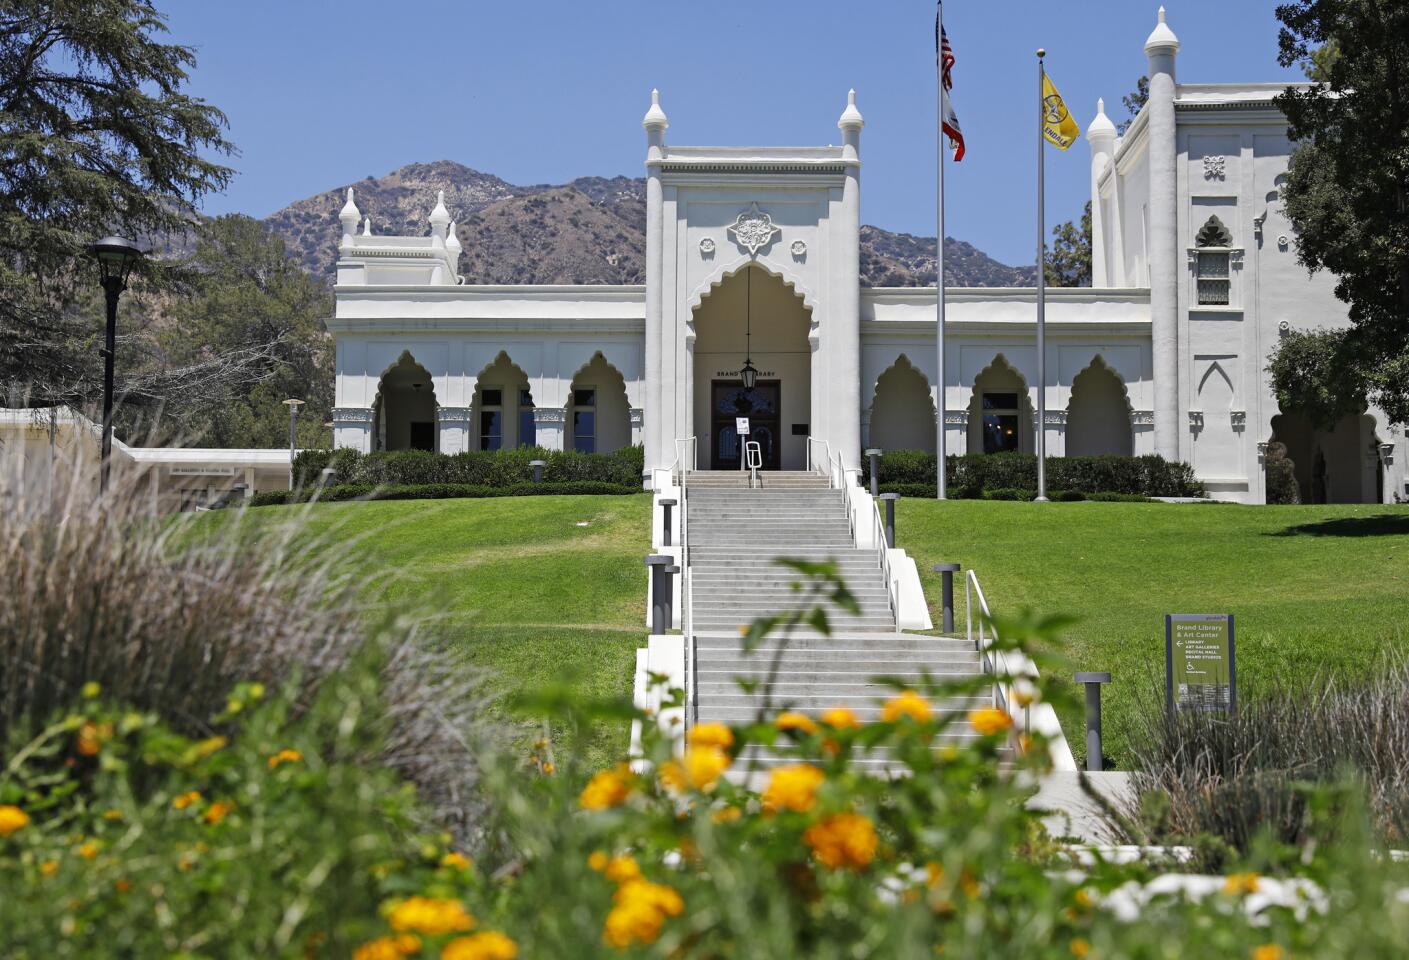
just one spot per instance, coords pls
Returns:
(96, 137)
(1134, 102)
(1315, 373)
(1347, 190)
(1069, 259)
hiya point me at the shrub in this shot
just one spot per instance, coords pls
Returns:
(1281, 475)
(1149, 476)
(497, 468)
(442, 491)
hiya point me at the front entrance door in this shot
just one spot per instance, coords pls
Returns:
(729, 400)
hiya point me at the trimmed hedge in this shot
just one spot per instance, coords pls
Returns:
(481, 468)
(441, 491)
(926, 491)
(973, 474)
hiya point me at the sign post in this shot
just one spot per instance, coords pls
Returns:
(1200, 664)
(741, 426)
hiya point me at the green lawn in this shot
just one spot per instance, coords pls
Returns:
(1312, 587)
(532, 590)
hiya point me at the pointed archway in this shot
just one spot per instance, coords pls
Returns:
(902, 413)
(1098, 414)
(502, 412)
(598, 412)
(404, 413)
(1000, 414)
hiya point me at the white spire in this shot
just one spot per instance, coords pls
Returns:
(440, 215)
(452, 242)
(1162, 38)
(367, 226)
(851, 117)
(1101, 127)
(349, 215)
(655, 117)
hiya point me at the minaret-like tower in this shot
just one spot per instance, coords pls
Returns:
(1162, 49)
(844, 340)
(658, 444)
(1101, 135)
(349, 218)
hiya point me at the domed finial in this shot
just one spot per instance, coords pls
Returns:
(349, 215)
(440, 215)
(851, 118)
(452, 242)
(1163, 38)
(655, 117)
(1101, 128)
(367, 227)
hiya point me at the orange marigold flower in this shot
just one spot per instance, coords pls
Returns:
(184, 800)
(12, 818)
(990, 720)
(284, 756)
(793, 787)
(621, 869)
(88, 850)
(1080, 947)
(122, 885)
(486, 945)
(49, 867)
(597, 860)
(794, 721)
(217, 811)
(639, 910)
(429, 915)
(712, 734)
(547, 767)
(388, 948)
(607, 788)
(456, 860)
(726, 815)
(1240, 883)
(89, 740)
(704, 766)
(841, 718)
(908, 704)
(843, 840)
(1269, 951)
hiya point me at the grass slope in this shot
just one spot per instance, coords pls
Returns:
(1312, 587)
(532, 590)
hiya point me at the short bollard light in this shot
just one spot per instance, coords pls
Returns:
(538, 466)
(874, 455)
(665, 506)
(661, 566)
(1093, 682)
(328, 476)
(890, 499)
(946, 573)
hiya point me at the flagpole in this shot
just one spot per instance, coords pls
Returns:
(1041, 285)
(941, 452)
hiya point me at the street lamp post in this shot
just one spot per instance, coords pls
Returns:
(293, 404)
(116, 257)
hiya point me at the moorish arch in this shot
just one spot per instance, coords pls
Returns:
(1000, 414)
(1342, 464)
(404, 411)
(502, 413)
(598, 411)
(902, 412)
(1099, 414)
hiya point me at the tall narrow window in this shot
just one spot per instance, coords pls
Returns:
(528, 433)
(1211, 269)
(584, 420)
(1000, 422)
(491, 419)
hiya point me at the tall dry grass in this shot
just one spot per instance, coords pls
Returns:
(169, 613)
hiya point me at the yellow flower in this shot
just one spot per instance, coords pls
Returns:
(184, 800)
(621, 870)
(456, 860)
(1268, 951)
(217, 811)
(429, 915)
(284, 756)
(793, 787)
(122, 885)
(487, 945)
(90, 690)
(388, 948)
(1240, 883)
(597, 860)
(843, 840)
(91, 737)
(990, 720)
(711, 734)
(908, 704)
(1080, 947)
(88, 850)
(49, 867)
(547, 767)
(112, 814)
(185, 862)
(607, 788)
(800, 722)
(726, 815)
(256, 691)
(1024, 698)
(12, 818)
(208, 746)
(841, 718)
(640, 909)
(704, 766)
(1083, 899)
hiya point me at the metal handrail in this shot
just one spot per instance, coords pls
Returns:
(994, 661)
(684, 463)
(878, 534)
(687, 612)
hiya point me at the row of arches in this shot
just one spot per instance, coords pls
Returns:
(596, 417)
(1000, 416)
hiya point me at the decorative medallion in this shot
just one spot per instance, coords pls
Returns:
(1143, 418)
(753, 229)
(1215, 167)
(799, 248)
(1196, 419)
(707, 246)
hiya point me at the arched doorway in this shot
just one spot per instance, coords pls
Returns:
(598, 414)
(1339, 465)
(752, 314)
(404, 413)
(902, 414)
(1000, 413)
(1098, 414)
(501, 415)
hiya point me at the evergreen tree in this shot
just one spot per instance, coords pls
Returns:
(1069, 257)
(1134, 102)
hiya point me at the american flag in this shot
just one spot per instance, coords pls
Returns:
(946, 53)
(949, 122)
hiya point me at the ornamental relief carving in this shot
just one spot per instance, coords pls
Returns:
(1143, 418)
(352, 415)
(549, 415)
(956, 418)
(753, 229)
(1215, 167)
(452, 414)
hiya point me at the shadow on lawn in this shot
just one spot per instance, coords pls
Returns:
(1383, 525)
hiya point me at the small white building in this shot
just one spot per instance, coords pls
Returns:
(752, 254)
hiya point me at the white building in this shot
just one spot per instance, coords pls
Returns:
(752, 253)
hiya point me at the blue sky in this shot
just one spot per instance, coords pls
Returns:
(320, 94)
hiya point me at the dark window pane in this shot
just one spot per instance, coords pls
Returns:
(422, 436)
(1000, 401)
(491, 398)
(584, 398)
(491, 431)
(527, 433)
(525, 398)
(1000, 433)
(584, 431)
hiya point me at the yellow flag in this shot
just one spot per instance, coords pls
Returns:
(1057, 124)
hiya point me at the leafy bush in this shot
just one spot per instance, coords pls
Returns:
(1149, 476)
(442, 491)
(928, 491)
(1281, 475)
(497, 468)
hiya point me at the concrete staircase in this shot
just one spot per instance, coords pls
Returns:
(736, 535)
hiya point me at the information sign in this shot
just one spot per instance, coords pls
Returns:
(1200, 664)
(741, 424)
